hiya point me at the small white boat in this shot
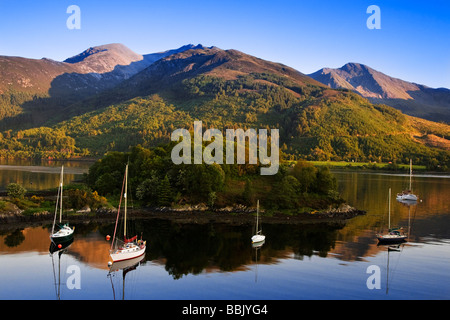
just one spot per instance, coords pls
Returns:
(129, 248)
(258, 236)
(408, 195)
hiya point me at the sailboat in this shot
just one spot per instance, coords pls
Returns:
(393, 235)
(129, 248)
(65, 232)
(126, 266)
(408, 194)
(258, 237)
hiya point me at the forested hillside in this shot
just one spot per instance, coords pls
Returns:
(229, 89)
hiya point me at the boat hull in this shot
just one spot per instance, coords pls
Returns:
(258, 238)
(407, 197)
(391, 238)
(64, 234)
(127, 254)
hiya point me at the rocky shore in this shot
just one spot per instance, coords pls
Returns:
(238, 214)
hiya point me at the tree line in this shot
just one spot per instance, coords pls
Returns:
(156, 181)
(315, 123)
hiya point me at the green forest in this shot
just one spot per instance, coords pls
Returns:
(315, 123)
(155, 181)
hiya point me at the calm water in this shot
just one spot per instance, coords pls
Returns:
(40, 175)
(217, 261)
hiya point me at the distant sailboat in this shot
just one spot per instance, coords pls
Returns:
(129, 248)
(65, 232)
(408, 195)
(258, 237)
(393, 235)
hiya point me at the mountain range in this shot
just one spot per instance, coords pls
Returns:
(411, 98)
(109, 97)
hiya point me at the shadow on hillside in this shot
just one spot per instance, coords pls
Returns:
(73, 94)
(427, 103)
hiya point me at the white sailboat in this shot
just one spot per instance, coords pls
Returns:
(129, 248)
(393, 235)
(408, 195)
(64, 232)
(258, 237)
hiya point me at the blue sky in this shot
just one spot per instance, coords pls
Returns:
(413, 43)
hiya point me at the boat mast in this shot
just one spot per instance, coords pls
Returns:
(410, 173)
(56, 210)
(257, 214)
(118, 212)
(125, 198)
(61, 186)
(389, 225)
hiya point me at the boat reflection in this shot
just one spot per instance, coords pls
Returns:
(397, 248)
(257, 247)
(408, 203)
(58, 249)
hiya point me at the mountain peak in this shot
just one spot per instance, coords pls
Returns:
(104, 58)
(365, 80)
(411, 98)
(117, 47)
(355, 68)
(199, 46)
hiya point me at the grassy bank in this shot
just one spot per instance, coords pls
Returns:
(369, 165)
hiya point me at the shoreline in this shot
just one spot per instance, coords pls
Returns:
(193, 215)
(332, 165)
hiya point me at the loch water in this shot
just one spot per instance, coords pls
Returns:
(217, 261)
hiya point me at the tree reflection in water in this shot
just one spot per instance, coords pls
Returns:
(196, 248)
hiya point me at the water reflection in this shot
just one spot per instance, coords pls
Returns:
(390, 268)
(58, 250)
(367, 191)
(257, 247)
(39, 175)
(187, 248)
(196, 248)
(124, 267)
(292, 255)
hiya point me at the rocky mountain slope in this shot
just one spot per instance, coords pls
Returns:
(32, 90)
(117, 99)
(411, 98)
